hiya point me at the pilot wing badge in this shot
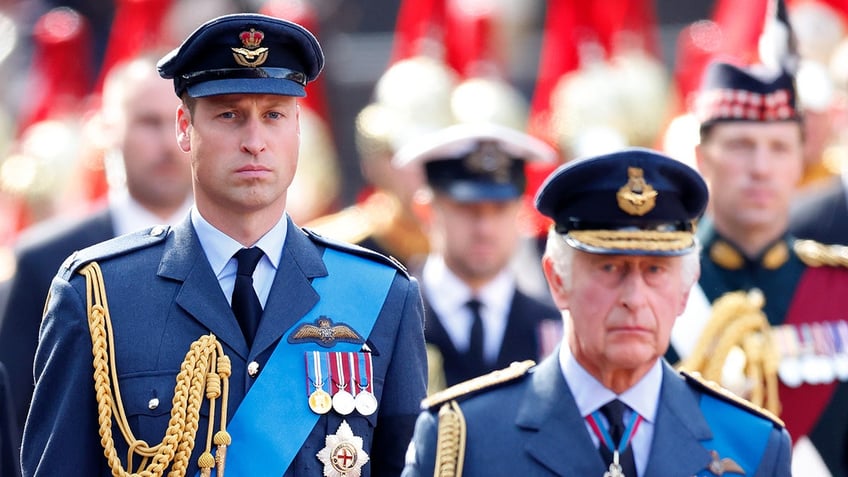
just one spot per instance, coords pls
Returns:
(324, 333)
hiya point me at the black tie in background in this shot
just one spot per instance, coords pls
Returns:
(245, 303)
(475, 355)
(614, 412)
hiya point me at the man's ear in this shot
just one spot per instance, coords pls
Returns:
(559, 294)
(184, 128)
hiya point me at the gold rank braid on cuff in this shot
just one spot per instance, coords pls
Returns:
(450, 443)
(205, 368)
(737, 320)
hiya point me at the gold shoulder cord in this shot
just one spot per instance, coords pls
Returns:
(204, 368)
(450, 444)
(738, 321)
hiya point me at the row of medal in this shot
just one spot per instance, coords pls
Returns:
(812, 353)
(340, 381)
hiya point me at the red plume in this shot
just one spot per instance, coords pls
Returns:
(61, 69)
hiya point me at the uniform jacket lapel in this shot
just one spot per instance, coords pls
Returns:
(679, 430)
(292, 295)
(560, 442)
(200, 295)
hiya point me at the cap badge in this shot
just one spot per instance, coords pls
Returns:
(324, 333)
(251, 54)
(636, 197)
(489, 160)
(343, 455)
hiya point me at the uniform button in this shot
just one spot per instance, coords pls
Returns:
(153, 403)
(253, 369)
(157, 231)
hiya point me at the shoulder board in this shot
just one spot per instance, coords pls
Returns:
(815, 254)
(356, 250)
(472, 386)
(114, 247)
(349, 225)
(714, 389)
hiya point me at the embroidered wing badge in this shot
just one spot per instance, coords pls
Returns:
(324, 333)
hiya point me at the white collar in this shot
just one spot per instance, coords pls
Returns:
(590, 394)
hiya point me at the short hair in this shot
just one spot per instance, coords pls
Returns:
(562, 256)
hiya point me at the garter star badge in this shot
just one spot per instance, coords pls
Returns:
(637, 197)
(342, 454)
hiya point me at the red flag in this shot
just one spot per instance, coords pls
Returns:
(137, 26)
(61, 67)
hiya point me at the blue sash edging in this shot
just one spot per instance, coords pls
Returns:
(274, 419)
(737, 434)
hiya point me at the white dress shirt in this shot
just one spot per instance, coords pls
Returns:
(591, 395)
(220, 248)
(448, 295)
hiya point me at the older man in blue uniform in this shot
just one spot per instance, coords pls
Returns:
(620, 261)
(235, 340)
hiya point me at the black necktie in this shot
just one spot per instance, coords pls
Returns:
(614, 412)
(245, 303)
(475, 353)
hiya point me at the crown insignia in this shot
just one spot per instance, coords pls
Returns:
(636, 197)
(250, 54)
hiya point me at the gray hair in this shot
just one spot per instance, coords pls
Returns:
(562, 256)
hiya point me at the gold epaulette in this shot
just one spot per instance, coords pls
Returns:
(349, 225)
(514, 371)
(815, 254)
(715, 389)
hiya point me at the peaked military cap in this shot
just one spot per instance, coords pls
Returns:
(475, 162)
(754, 93)
(244, 53)
(632, 202)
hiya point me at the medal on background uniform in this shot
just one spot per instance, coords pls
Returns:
(366, 402)
(320, 401)
(839, 334)
(343, 402)
(789, 369)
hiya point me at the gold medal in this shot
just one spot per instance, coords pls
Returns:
(320, 402)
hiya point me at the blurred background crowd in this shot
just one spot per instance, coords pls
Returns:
(584, 76)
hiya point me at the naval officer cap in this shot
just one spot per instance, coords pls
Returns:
(475, 162)
(630, 202)
(244, 53)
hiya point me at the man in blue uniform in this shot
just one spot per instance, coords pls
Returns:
(234, 340)
(620, 260)
(478, 318)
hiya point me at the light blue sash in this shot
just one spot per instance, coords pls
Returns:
(737, 433)
(274, 419)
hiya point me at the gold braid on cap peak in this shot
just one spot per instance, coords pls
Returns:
(205, 370)
(634, 239)
(737, 321)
